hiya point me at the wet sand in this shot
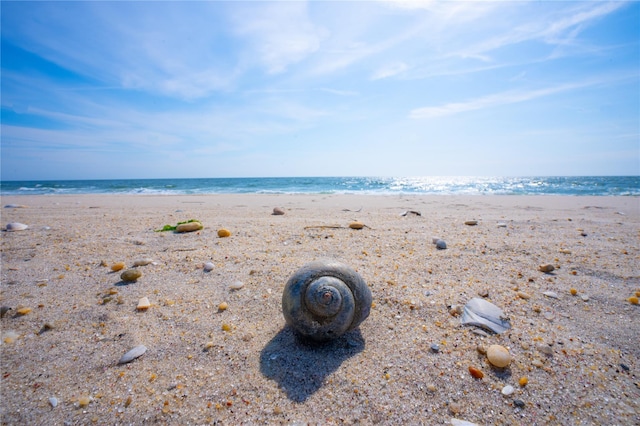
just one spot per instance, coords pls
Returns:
(579, 353)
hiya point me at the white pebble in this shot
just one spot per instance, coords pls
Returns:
(507, 390)
(208, 267)
(237, 285)
(53, 401)
(143, 262)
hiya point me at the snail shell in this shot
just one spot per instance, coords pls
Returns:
(325, 299)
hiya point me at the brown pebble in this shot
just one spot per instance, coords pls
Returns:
(498, 356)
(223, 233)
(356, 225)
(117, 266)
(471, 222)
(546, 268)
(475, 373)
(130, 275)
(189, 227)
(277, 211)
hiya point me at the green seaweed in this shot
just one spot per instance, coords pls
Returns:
(173, 228)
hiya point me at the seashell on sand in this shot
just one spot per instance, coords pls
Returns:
(208, 266)
(16, 226)
(277, 211)
(143, 304)
(481, 313)
(236, 285)
(134, 353)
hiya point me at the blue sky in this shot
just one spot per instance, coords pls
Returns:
(100, 90)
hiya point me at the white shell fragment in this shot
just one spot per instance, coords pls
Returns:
(208, 267)
(458, 422)
(133, 354)
(480, 313)
(143, 262)
(551, 294)
(53, 401)
(16, 226)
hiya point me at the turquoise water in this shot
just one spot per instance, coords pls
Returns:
(583, 185)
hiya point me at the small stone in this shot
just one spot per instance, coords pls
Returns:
(277, 211)
(502, 225)
(483, 293)
(23, 311)
(441, 245)
(584, 297)
(471, 222)
(83, 401)
(134, 353)
(117, 266)
(498, 356)
(4, 310)
(545, 350)
(633, 300)
(507, 390)
(223, 306)
(519, 403)
(537, 363)
(224, 233)
(551, 294)
(208, 267)
(130, 275)
(356, 225)
(434, 240)
(435, 348)
(456, 310)
(189, 227)
(475, 373)
(481, 349)
(455, 407)
(16, 226)
(237, 285)
(53, 402)
(143, 262)
(573, 291)
(546, 268)
(523, 381)
(143, 304)
(523, 295)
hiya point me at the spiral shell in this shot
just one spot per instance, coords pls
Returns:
(325, 299)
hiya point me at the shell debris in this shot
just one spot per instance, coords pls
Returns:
(134, 353)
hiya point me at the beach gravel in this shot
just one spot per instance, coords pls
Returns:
(408, 363)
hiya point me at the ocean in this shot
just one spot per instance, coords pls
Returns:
(582, 185)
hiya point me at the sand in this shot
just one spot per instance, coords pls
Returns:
(579, 353)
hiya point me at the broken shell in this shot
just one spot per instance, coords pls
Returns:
(143, 304)
(16, 226)
(189, 227)
(130, 275)
(325, 299)
(480, 313)
(134, 353)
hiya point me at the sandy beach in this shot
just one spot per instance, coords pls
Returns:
(575, 357)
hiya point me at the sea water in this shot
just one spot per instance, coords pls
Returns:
(463, 185)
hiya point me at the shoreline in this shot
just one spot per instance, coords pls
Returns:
(578, 353)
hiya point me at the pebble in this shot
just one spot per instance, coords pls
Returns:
(537, 363)
(441, 245)
(502, 225)
(16, 226)
(23, 311)
(584, 297)
(4, 310)
(435, 347)
(434, 240)
(277, 211)
(143, 304)
(475, 373)
(519, 403)
(507, 390)
(223, 306)
(458, 422)
(633, 300)
(237, 285)
(134, 353)
(117, 266)
(189, 227)
(208, 267)
(15, 206)
(551, 294)
(356, 225)
(498, 356)
(471, 222)
(523, 295)
(546, 268)
(130, 275)
(223, 233)
(143, 262)
(83, 401)
(53, 401)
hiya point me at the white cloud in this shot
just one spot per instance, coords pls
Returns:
(390, 70)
